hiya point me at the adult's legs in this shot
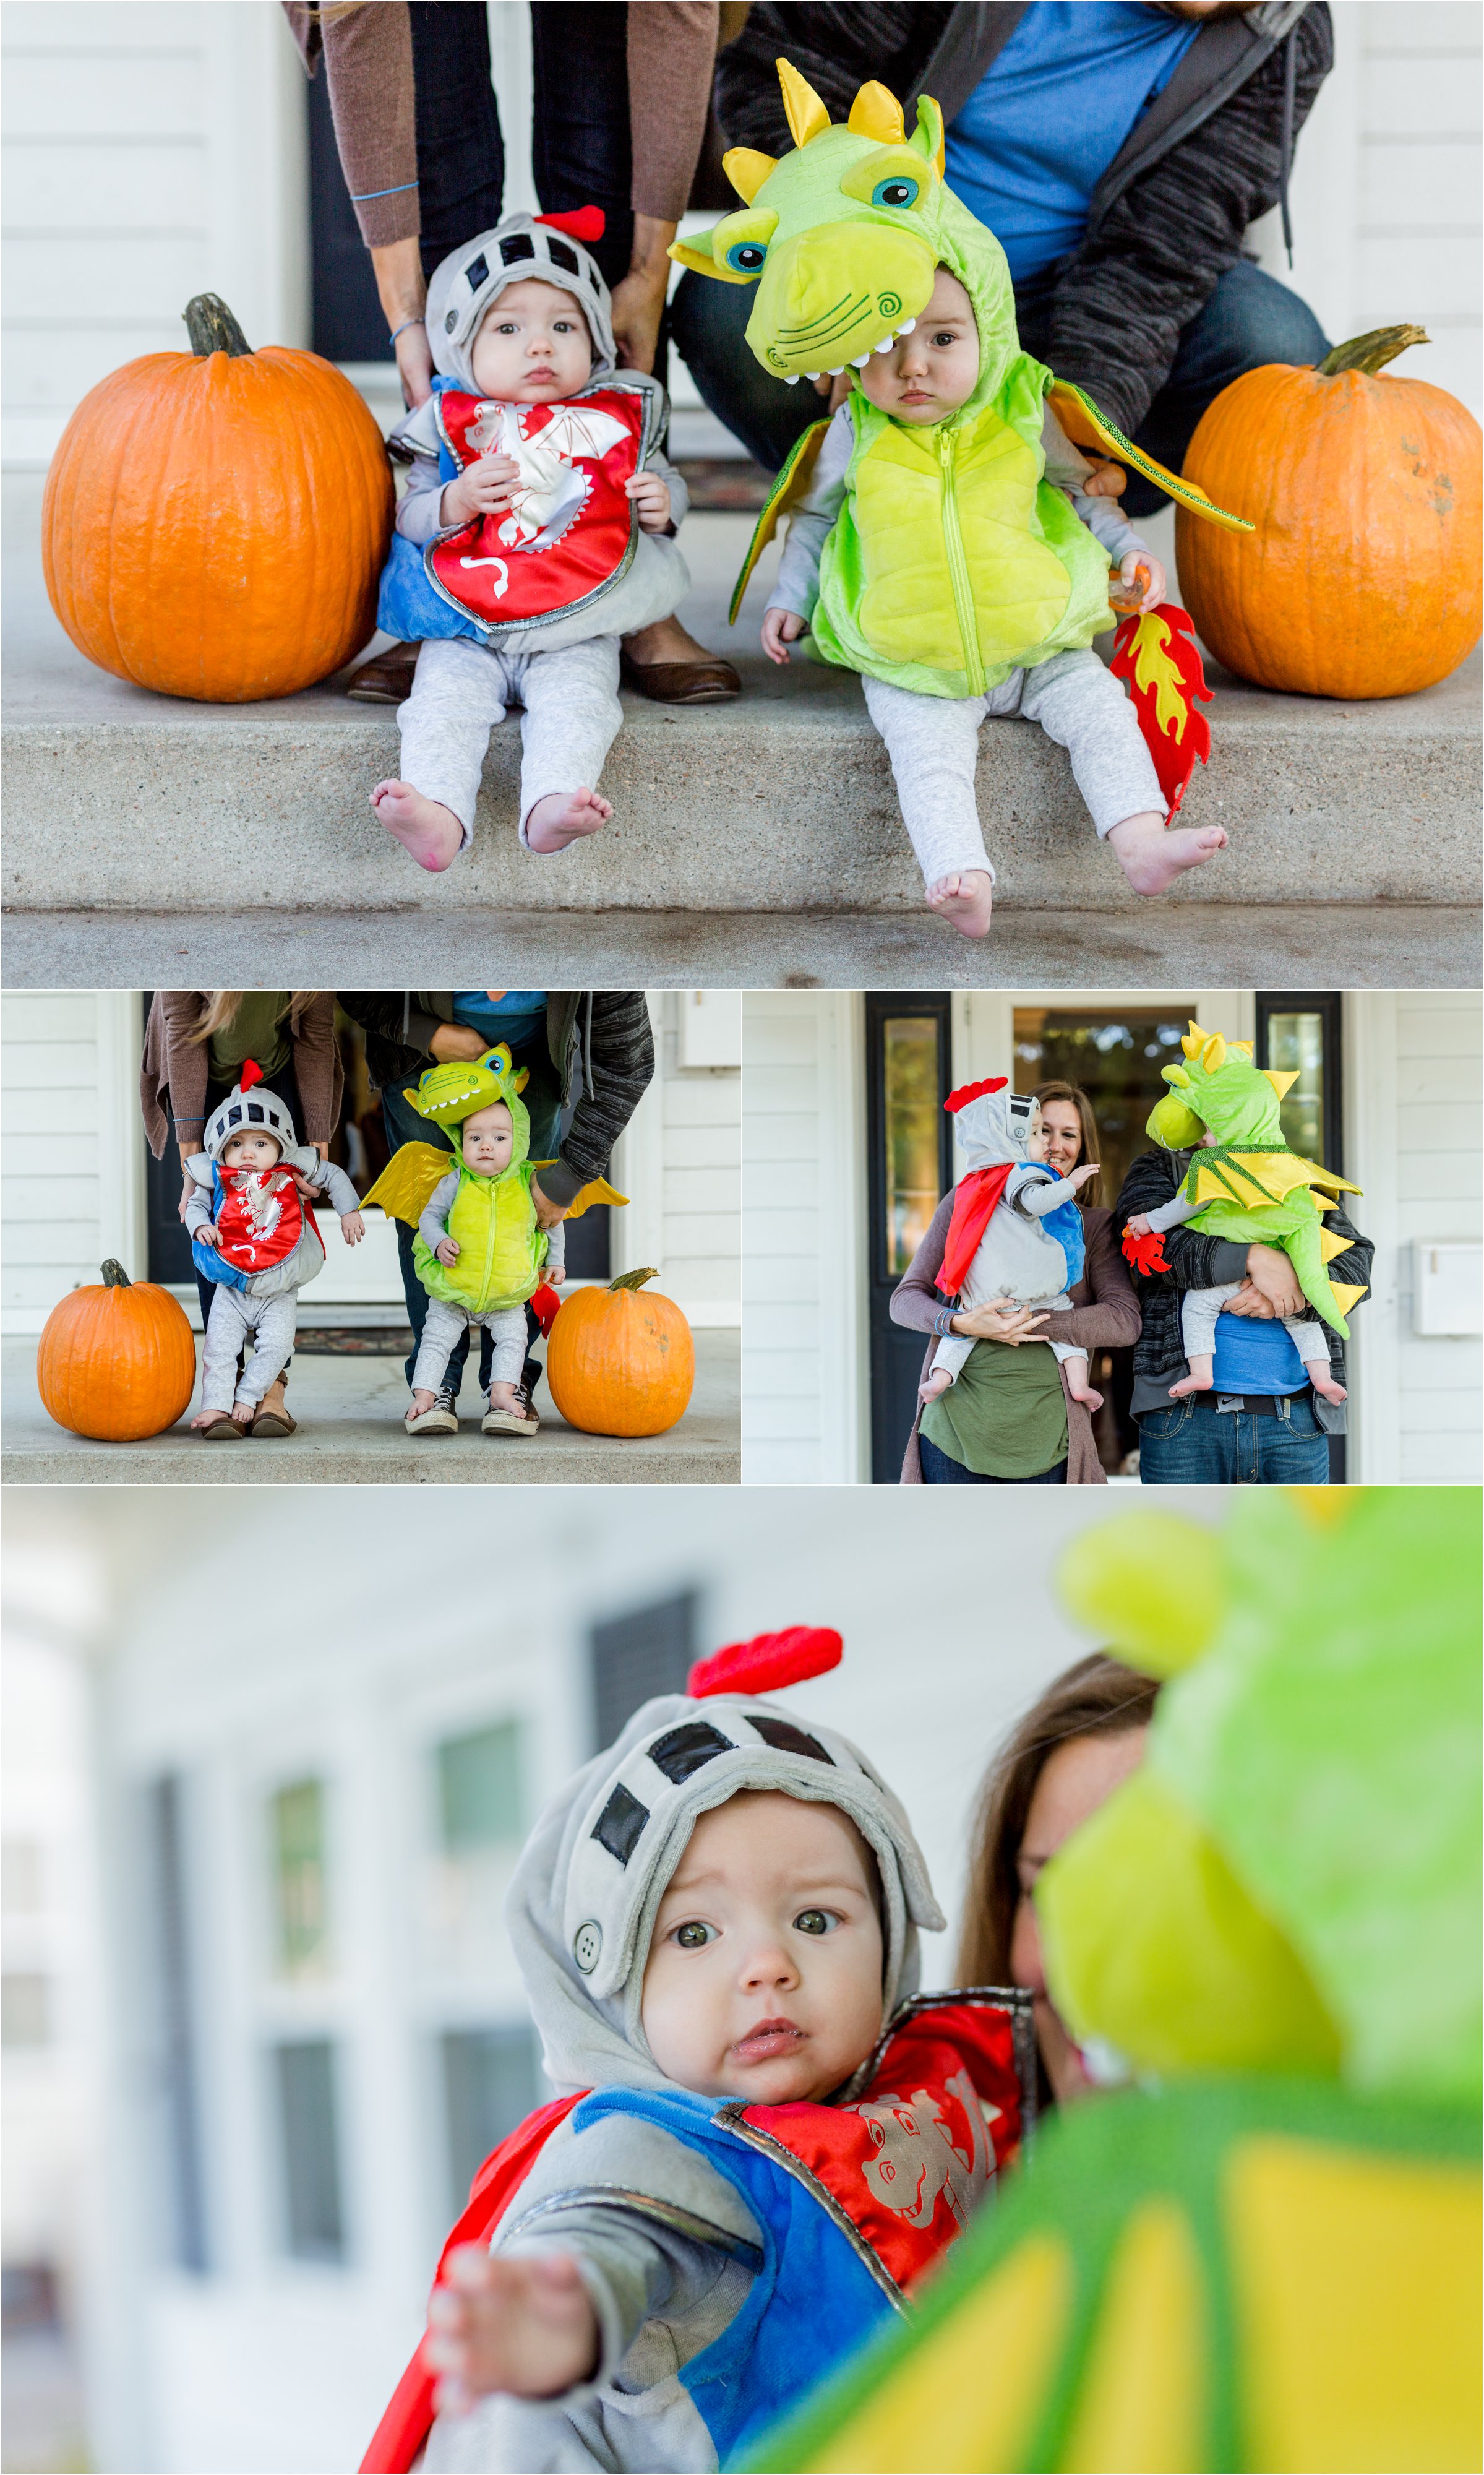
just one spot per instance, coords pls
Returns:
(1191, 1445)
(707, 321)
(543, 1098)
(940, 1469)
(1293, 1449)
(580, 147)
(1249, 321)
(461, 157)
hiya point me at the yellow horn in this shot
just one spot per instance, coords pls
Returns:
(807, 115)
(1281, 1082)
(747, 170)
(1194, 1040)
(1213, 1056)
(1241, 1048)
(877, 114)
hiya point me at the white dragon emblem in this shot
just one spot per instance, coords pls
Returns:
(258, 1190)
(552, 490)
(917, 2156)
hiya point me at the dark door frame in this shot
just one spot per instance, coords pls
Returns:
(881, 1007)
(1328, 1005)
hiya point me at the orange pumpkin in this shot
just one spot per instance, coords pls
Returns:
(620, 1363)
(215, 522)
(1363, 576)
(116, 1362)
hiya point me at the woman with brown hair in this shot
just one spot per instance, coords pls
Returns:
(1071, 1749)
(196, 1044)
(1011, 1421)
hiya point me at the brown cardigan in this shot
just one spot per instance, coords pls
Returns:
(175, 1071)
(367, 46)
(1104, 1314)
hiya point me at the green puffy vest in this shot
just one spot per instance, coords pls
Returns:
(952, 562)
(502, 1249)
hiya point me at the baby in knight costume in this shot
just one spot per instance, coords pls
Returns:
(761, 2137)
(536, 529)
(1016, 1232)
(252, 1235)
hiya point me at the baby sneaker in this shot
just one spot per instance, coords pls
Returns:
(522, 1420)
(442, 1419)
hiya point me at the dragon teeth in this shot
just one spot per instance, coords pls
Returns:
(812, 376)
(860, 363)
(839, 370)
(888, 347)
(907, 328)
(792, 378)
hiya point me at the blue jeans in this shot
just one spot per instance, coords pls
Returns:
(941, 1469)
(543, 1098)
(1194, 1444)
(1248, 320)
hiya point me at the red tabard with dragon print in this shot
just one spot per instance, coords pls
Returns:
(259, 1218)
(568, 530)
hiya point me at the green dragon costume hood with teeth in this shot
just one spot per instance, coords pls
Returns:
(953, 561)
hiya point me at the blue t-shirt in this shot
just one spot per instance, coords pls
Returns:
(1256, 1355)
(517, 1018)
(1051, 112)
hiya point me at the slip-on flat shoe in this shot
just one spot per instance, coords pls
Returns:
(274, 1421)
(225, 1431)
(709, 682)
(387, 679)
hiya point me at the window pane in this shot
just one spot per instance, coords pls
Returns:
(1116, 1059)
(1296, 1045)
(480, 1802)
(309, 2150)
(910, 1085)
(637, 1656)
(490, 2083)
(298, 1827)
(25, 2003)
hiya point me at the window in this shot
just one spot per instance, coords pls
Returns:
(637, 1656)
(309, 2150)
(185, 2181)
(25, 2008)
(1116, 1057)
(490, 2083)
(481, 1800)
(912, 1106)
(909, 1170)
(296, 1824)
(1302, 1035)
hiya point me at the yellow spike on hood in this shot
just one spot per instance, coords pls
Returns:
(1195, 1040)
(1346, 1294)
(806, 114)
(877, 114)
(747, 170)
(1282, 1082)
(1213, 1056)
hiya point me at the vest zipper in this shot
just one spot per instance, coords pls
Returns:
(489, 1243)
(959, 570)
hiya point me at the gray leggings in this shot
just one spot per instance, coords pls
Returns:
(932, 743)
(235, 1314)
(505, 1326)
(462, 689)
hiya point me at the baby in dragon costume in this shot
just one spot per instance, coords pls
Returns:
(761, 2139)
(252, 1235)
(949, 539)
(1016, 1233)
(537, 527)
(1255, 1188)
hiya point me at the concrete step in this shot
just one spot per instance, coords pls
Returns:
(349, 1412)
(758, 835)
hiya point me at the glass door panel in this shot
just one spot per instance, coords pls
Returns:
(910, 1147)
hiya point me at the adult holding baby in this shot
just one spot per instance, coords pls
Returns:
(620, 114)
(1012, 1418)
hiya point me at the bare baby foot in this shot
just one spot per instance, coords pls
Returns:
(1328, 1388)
(937, 1382)
(964, 900)
(243, 1412)
(1189, 1384)
(1085, 1393)
(1152, 858)
(564, 817)
(427, 831)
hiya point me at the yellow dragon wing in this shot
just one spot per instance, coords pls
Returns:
(791, 485)
(596, 1190)
(407, 1184)
(1086, 427)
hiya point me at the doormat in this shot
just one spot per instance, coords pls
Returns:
(353, 1341)
(724, 484)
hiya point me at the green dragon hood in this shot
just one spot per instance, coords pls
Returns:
(448, 1094)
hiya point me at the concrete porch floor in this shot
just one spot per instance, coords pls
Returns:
(349, 1412)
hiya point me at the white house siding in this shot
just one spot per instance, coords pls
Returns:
(679, 1159)
(73, 1183)
(153, 149)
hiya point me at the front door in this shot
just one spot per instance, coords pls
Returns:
(1301, 1033)
(910, 1153)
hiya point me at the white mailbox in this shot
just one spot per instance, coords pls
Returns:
(1447, 1274)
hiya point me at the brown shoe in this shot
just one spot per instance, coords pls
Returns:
(387, 679)
(272, 1422)
(709, 682)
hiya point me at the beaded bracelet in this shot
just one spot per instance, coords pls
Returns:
(405, 324)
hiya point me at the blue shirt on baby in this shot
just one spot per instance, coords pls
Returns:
(1254, 1356)
(1051, 112)
(516, 1017)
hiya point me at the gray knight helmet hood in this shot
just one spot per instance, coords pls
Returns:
(469, 281)
(250, 1108)
(582, 1905)
(993, 1124)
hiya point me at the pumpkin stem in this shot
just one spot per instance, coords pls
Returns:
(1371, 353)
(212, 328)
(636, 1280)
(114, 1276)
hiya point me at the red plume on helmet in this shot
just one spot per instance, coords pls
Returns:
(582, 223)
(767, 1662)
(968, 1091)
(252, 1073)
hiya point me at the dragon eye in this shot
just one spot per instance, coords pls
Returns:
(895, 193)
(746, 256)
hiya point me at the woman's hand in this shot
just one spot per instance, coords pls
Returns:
(650, 494)
(1269, 1272)
(397, 267)
(487, 490)
(781, 628)
(456, 1040)
(639, 299)
(998, 1320)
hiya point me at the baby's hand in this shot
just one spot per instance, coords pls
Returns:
(1079, 1176)
(554, 1275)
(781, 628)
(1138, 1225)
(650, 494)
(522, 2325)
(446, 1250)
(486, 489)
(207, 1229)
(1139, 569)
(1106, 481)
(353, 1228)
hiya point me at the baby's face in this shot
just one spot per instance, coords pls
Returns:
(764, 1978)
(533, 346)
(936, 368)
(488, 1138)
(1039, 1142)
(250, 1151)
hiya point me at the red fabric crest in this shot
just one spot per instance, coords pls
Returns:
(545, 1305)
(974, 1198)
(769, 1660)
(1146, 1253)
(252, 1073)
(569, 530)
(968, 1091)
(582, 223)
